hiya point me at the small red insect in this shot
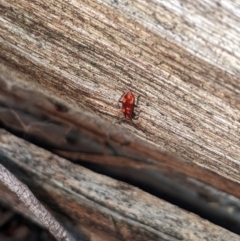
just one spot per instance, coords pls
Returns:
(128, 104)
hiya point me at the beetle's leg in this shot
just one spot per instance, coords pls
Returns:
(136, 116)
(120, 118)
(120, 121)
(120, 100)
(136, 105)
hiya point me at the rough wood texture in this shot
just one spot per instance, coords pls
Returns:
(30, 201)
(104, 208)
(181, 57)
(83, 138)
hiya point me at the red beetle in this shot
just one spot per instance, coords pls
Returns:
(128, 104)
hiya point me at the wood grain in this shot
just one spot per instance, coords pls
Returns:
(184, 66)
(85, 139)
(182, 59)
(31, 202)
(101, 206)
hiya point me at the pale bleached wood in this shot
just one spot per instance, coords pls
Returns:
(26, 196)
(102, 207)
(11, 200)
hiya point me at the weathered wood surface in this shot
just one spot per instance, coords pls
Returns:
(103, 208)
(82, 138)
(181, 58)
(25, 195)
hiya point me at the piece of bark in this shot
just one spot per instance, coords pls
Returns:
(14, 226)
(10, 199)
(26, 196)
(100, 206)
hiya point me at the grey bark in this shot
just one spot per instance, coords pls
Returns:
(30, 201)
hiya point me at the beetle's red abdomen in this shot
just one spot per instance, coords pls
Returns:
(128, 102)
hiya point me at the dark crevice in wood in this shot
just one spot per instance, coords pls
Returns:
(157, 184)
(69, 138)
(43, 196)
(163, 187)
